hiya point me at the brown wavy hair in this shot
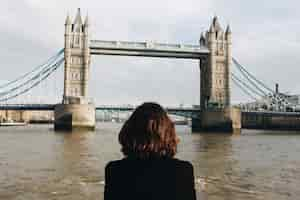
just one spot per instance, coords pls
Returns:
(148, 133)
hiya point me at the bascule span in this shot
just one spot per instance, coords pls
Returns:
(249, 119)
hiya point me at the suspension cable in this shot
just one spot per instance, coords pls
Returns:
(42, 72)
(24, 84)
(243, 89)
(246, 85)
(51, 59)
(252, 76)
(250, 80)
(56, 65)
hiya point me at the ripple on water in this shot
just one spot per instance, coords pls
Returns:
(37, 164)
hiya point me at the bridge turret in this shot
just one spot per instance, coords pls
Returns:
(212, 28)
(216, 89)
(218, 28)
(68, 30)
(77, 58)
(228, 33)
(202, 40)
(216, 24)
(87, 21)
(228, 45)
(86, 56)
(67, 53)
(77, 25)
(76, 110)
(68, 21)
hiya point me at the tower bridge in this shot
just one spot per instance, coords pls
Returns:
(213, 50)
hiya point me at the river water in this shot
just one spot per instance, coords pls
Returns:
(38, 163)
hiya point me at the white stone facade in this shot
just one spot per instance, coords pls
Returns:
(77, 59)
(215, 70)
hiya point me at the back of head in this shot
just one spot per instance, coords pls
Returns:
(148, 133)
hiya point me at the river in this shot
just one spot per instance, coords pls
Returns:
(38, 163)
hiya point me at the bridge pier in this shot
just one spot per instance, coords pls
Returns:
(74, 116)
(226, 120)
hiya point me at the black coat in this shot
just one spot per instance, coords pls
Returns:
(154, 179)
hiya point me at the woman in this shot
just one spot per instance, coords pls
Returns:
(149, 169)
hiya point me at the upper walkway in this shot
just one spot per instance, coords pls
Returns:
(147, 49)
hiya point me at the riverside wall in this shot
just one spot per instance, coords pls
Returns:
(271, 120)
(226, 120)
(27, 116)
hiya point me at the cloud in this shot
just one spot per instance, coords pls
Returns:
(265, 35)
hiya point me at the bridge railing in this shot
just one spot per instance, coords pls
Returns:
(126, 45)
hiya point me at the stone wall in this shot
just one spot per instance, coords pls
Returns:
(69, 116)
(221, 120)
(280, 121)
(27, 116)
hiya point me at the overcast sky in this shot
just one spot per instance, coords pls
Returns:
(266, 40)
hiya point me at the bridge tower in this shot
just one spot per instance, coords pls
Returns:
(215, 70)
(76, 109)
(215, 76)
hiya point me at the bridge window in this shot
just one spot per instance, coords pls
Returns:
(71, 91)
(76, 60)
(76, 76)
(77, 40)
(76, 92)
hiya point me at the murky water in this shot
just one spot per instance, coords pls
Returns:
(37, 163)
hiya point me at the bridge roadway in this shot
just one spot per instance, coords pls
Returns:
(148, 49)
(49, 107)
(249, 120)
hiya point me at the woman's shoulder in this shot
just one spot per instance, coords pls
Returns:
(167, 162)
(183, 163)
(113, 164)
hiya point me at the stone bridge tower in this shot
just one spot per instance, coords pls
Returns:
(77, 59)
(215, 77)
(215, 70)
(76, 109)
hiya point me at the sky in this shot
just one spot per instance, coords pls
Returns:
(266, 40)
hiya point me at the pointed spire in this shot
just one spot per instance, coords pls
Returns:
(215, 19)
(68, 20)
(202, 37)
(228, 29)
(216, 24)
(87, 20)
(212, 28)
(78, 19)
